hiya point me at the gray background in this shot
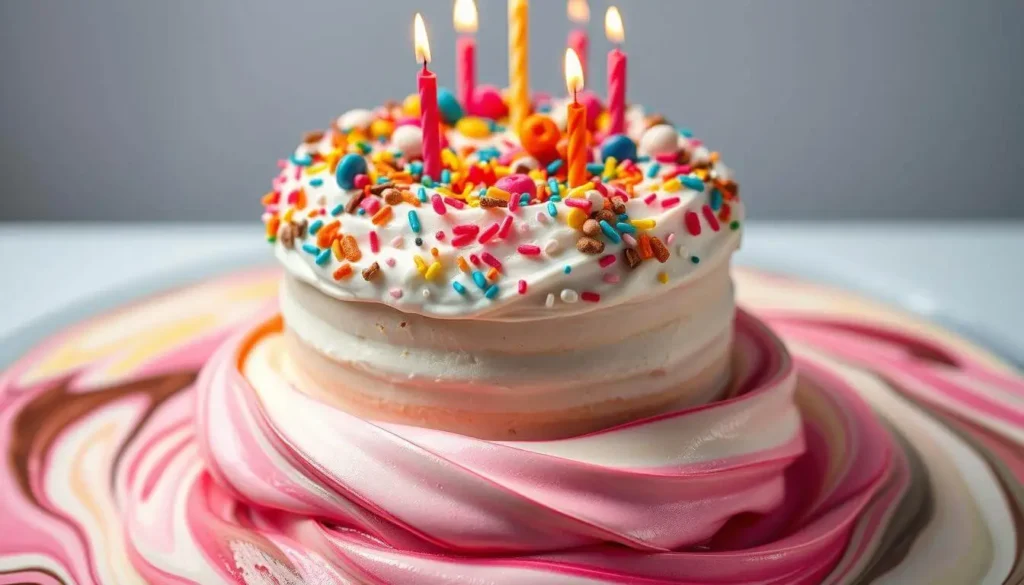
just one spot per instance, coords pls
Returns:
(838, 109)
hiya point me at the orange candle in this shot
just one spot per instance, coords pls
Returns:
(576, 149)
(518, 57)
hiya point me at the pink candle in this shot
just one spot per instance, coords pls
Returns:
(465, 50)
(580, 42)
(430, 118)
(616, 72)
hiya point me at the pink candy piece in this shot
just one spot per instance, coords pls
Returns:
(710, 216)
(487, 103)
(360, 181)
(606, 260)
(692, 223)
(610, 278)
(528, 250)
(590, 296)
(578, 203)
(466, 228)
(522, 287)
(374, 242)
(395, 293)
(670, 202)
(438, 204)
(650, 198)
(370, 204)
(490, 260)
(489, 233)
(517, 184)
(506, 226)
(454, 203)
(390, 262)
(439, 235)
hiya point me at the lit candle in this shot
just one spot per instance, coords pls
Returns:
(429, 116)
(518, 57)
(579, 14)
(616, 72)
(576, 127)
(465, 50)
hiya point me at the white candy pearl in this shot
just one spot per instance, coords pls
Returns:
(660, 139)
(409, 140)
(569, 296)
(596, 200)
(358, 118)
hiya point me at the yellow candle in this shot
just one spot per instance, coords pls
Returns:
(518, 57)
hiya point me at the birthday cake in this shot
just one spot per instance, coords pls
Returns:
(504, 348)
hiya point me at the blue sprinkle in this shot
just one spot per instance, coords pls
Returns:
(544, 108)
(323, 257)
(554, 166)
(567, 269)
(303, 160)
(416, 168)
(315, 227)
(491, 292)
(360, 211)
(427, 181)
(653, 170)
(382, 180)
(414, 221)
(555, 198)
(716, 199)
(686, 132)
(421, 193)
(524, 199)
(446, 176)
(310, 249)
(553, 185)
(623, 217)
(692, 182)
(625, 227)
(397, 153)
(643, 159)
(610, 232)
(595, 168)
(552, 210)
(459, 288)
(479, 279)
(316, 182)
(337, 209)
(482, 192)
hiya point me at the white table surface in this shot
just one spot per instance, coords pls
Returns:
(966, 275)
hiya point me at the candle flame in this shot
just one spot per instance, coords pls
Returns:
(573, 72)
(613, 25)
(579, 11)
(420, 40)
(465, 16)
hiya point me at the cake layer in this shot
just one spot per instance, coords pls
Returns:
(548, 378)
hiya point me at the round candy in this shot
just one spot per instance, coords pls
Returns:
(349, 166)
(524, 164)
(539, 136)
(451, 111)
(517, 184)
(411, 105)
(355, 119)
(488, 103)
(473, 127)
(409, 140)
(619, 146)
(660, 139)
(593, 105)
(381, 128)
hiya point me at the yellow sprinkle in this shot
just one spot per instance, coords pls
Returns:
(609, 165)
(288, 214)
(642, 224)
(575, 218)
(463, 265)
(381, 128)
(662, 277)
(498, 193)
(473, 127)
(539, 175)
(449, 159)
(445, 192)
(502, 171)
(314, 169)
(581, 191)
(420, 264)
(474, 202)
(336, 248)
(466, 191)
(456, 177)
(672, 185)
(433, 271)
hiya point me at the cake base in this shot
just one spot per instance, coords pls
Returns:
(105, 480)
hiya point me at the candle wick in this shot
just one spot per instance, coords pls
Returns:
(425, 66)
(574, 91)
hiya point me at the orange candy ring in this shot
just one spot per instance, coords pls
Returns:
(539, 135)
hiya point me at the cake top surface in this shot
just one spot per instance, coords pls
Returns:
(501, 233)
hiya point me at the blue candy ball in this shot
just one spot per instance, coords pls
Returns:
(348, 167)
(451, 111)
(619, 146)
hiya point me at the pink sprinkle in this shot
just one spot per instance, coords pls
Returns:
(438, 204)
(390, 262)
(463, 240)
(522, 287)
(474, 259)
(454, 203)
(396, 293)
(601, 188)
(684, 170)
(670, 238)
(607, 260)
(272, 208)
(696, 142)
(370, 204)
(281, 163)
(277, 182)
(692, 223)
(629, 239)
(629, 165)
(578, 203)
(465, 228)
(669, 202)
(610, 278)
(590, 296)
(439, 235)
(710, 216)
(666, 157)
(650, 198)
(513, 203)
(506, 225)
(397, 242)
(528, 250)
(374, 242)
(489, 233)
(293, 197)
(490, 260)
(542, 217)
